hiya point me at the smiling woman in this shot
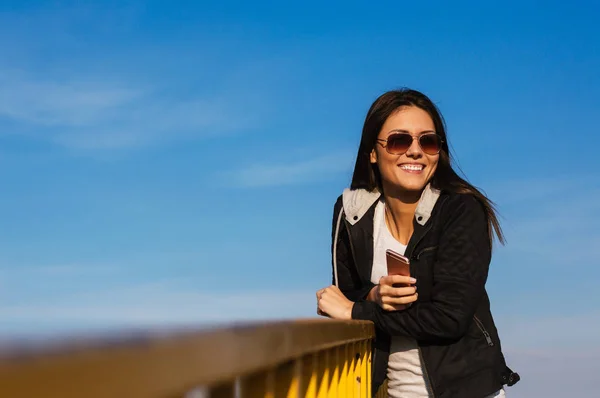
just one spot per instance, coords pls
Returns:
(406, 198)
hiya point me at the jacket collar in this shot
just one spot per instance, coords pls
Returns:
(357, 202)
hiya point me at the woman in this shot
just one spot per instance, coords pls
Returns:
(435, 336)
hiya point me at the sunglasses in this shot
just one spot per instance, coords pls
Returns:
(398, 143)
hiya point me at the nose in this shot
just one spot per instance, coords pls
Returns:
(414, 150)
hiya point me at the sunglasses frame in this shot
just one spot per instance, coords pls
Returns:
(418, 138)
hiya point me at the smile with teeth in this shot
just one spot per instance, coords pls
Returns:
(412, 167)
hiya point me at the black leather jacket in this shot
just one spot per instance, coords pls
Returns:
(450, 254)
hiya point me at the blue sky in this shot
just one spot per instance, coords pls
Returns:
(167, 165)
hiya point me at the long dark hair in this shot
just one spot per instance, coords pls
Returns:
(366, 175)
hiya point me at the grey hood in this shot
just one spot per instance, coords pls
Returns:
(357, 202)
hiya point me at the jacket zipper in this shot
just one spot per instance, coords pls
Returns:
(426, 374)
(427, 249)
(425, 371)
(487, 336)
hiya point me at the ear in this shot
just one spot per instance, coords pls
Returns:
(373, 156)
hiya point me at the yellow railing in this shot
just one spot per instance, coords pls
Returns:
(312, 358)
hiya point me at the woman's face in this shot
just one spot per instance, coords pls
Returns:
(412, 170)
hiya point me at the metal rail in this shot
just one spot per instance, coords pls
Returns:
(308, 358)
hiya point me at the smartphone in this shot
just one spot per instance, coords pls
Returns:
(397, 264)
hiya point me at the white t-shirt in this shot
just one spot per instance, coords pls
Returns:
(406, 378)
(405, 372)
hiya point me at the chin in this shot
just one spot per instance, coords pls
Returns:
(412, 186)
(404, 183)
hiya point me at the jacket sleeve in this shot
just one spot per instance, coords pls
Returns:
(349, 281)
(459, 276)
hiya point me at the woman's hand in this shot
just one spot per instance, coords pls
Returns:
(332, 302)
(392, 298)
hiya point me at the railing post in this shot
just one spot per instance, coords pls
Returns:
(286, 381)
(323, 373)
(369, 368)
(335, 375)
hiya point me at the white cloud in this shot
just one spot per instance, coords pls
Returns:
(95, 113)
(289, 173)
(60, 103)
(61, 83)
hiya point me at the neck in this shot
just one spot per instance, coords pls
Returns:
(400, 212)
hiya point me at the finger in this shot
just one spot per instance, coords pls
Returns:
(384, 290)
(333, 289)
(325, 306)
(320, 305)
(390, 280)
(385, 281)
(401, 291)
(407, 280)
(393, 300)
(397, 307)
(402, 300)
(397, 291)
(320, 293)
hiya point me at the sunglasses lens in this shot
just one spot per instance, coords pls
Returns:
(399, 143)
(430, 143)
